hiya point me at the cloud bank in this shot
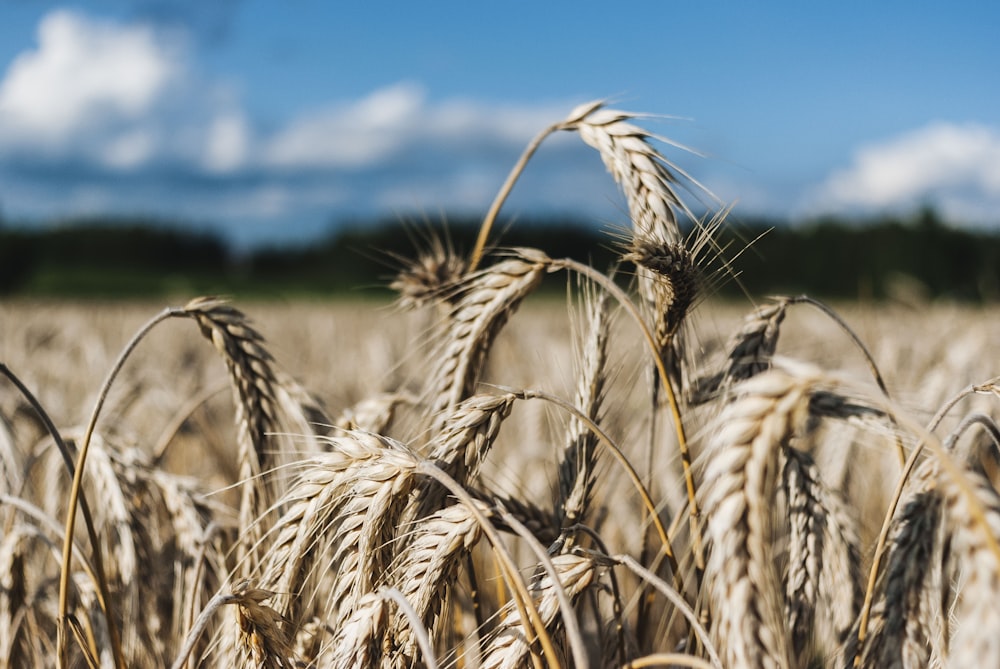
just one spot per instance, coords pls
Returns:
(953, 166)
(104, 117)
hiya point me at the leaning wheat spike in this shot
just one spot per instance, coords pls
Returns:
(644, 175)
(467, 433)
(486, 301)
(974, 571)
(255, 387)
(358, 642)
(649, 182)
(508, 646)
(749, 351)
(740, 478)
(374, 500)
(262, 642)
(342, 509)
(824, 570)
(428, 566)
(576, 469)
(309, 505)
(899, 631)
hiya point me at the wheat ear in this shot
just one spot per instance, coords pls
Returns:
(344, 507)
(576, 468)
(486, 301)
(428, 566)
(255, 384)
(823, 588)
(743, 465)
(749, 350)
(899, 633)
(975, 569)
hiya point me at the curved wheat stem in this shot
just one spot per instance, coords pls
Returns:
(74, 494)
(509, 646)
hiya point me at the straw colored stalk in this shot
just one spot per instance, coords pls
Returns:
(509, 646)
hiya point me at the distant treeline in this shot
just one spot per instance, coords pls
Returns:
(918, 257)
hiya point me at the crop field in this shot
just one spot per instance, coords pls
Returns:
(478, 475)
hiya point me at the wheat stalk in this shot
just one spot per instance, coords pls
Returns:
(509, 646)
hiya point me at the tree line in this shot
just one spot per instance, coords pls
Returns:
(914, 257)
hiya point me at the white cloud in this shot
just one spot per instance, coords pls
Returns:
(955, 166)
(112, 116)
(395, 118)
(352, 135)
(129, 149)
(83, 73)
(228, 143)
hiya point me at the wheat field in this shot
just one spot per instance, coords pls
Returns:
(482, 475)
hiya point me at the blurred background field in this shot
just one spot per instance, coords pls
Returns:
(913, 259)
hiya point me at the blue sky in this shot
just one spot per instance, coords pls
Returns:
(269, 120)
